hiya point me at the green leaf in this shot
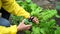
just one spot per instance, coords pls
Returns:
(28, 1)
(57, 16)
(57, 31)
(42, 31)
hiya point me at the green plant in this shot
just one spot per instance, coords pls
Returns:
(45, 15)
(57, 31)
(15, 20)
(47, 25)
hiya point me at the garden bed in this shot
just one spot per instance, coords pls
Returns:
(47, 19)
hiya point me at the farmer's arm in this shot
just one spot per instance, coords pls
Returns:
(8, 30)
(0, 4)
(13, 29)
(12, 7)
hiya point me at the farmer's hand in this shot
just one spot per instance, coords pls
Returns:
(22, 26)
(34, 19)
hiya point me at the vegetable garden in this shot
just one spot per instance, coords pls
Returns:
(47, 23)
